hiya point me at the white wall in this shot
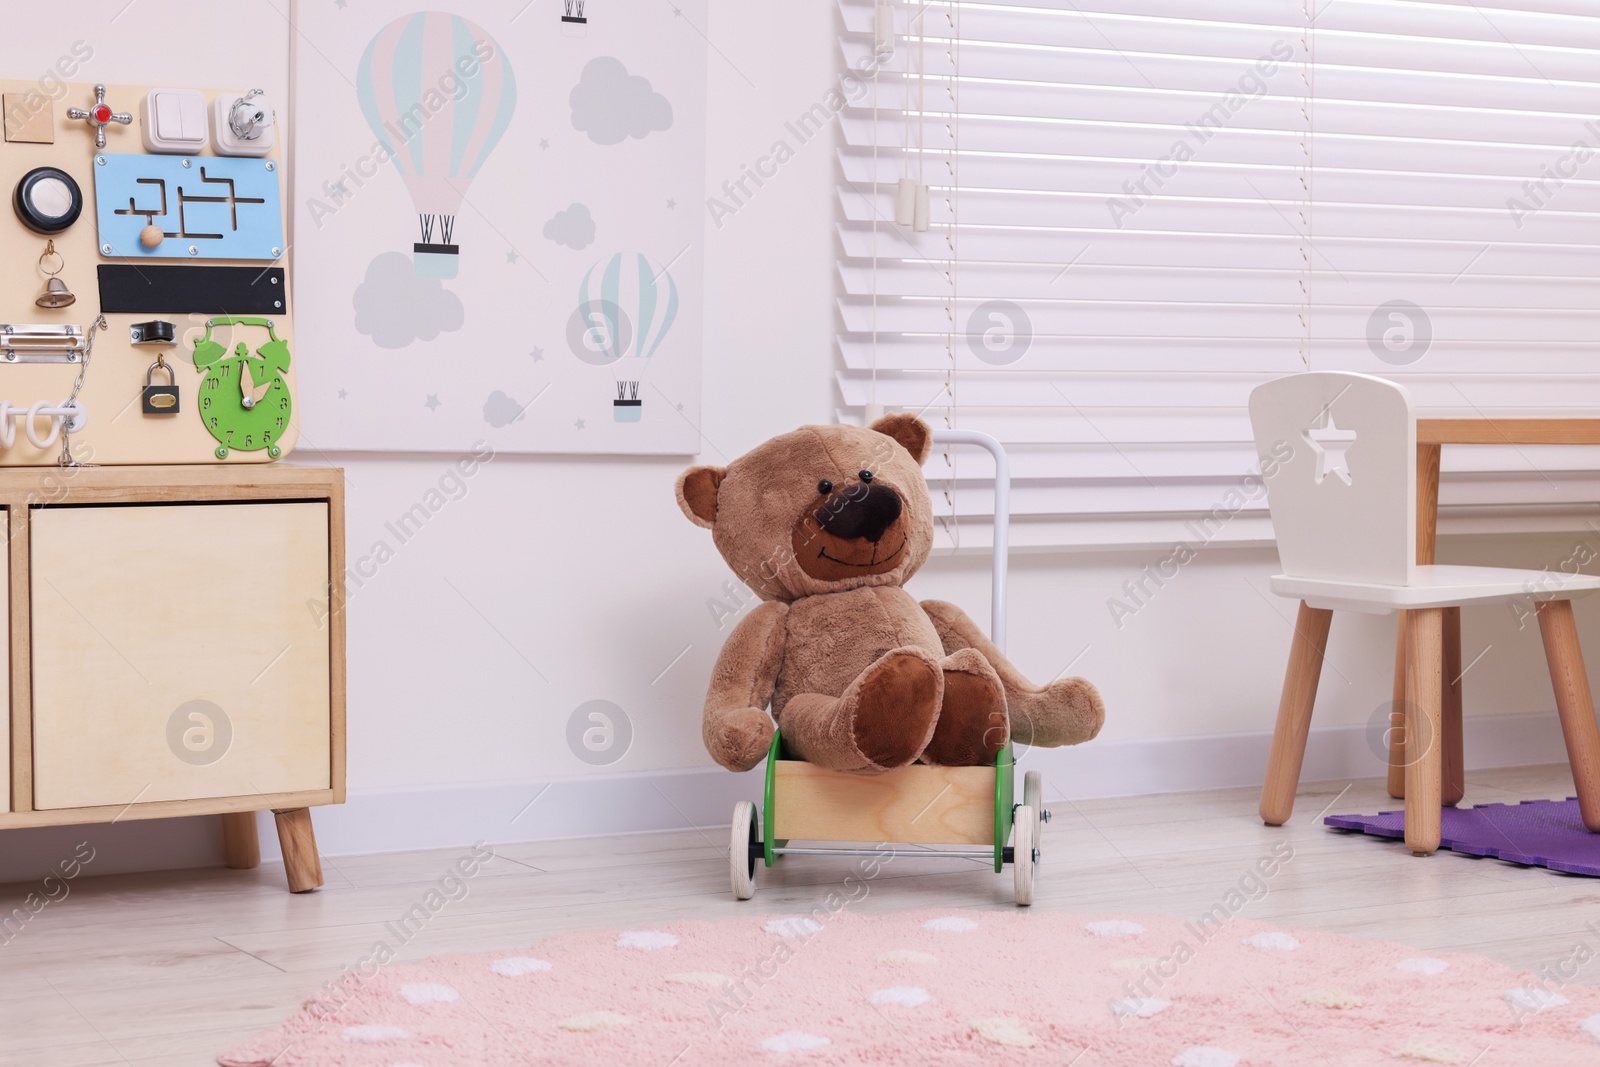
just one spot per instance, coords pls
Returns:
(590, 582)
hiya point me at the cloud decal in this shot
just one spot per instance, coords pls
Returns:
(573, 227)
(611, 105)
(396, 308)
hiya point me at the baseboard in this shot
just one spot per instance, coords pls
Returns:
(404, 820)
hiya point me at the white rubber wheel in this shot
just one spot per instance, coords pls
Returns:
(1022, 863)
(1033, 797)
(744, 850)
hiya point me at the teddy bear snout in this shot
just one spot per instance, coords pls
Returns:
(861, 512)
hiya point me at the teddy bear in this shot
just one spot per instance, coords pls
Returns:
(826, 524)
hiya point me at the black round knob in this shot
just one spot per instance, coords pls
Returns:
(865, 476)
(824, 487)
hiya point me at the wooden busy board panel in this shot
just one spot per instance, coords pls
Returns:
(220, 257)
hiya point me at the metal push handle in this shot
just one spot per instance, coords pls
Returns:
(1002, 521)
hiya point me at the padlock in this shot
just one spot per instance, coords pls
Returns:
(160, 399)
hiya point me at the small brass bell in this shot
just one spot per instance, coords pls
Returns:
(56, 294)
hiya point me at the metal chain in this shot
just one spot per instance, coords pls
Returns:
(95, 327)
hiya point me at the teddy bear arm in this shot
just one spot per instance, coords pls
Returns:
(1067, 711)
(736, 726)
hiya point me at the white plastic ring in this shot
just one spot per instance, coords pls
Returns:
(8, 426)
(55, 425)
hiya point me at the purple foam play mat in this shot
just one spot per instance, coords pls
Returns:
(1537, 833)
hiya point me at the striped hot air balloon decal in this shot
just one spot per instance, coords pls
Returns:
(438, 92)
(633, 302)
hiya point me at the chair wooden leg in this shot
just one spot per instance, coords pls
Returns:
(1397, 725)
(1294, 713)
(1574, 702)
(1424, 760)
(240, 846)
(301, 864)
(1450, 739)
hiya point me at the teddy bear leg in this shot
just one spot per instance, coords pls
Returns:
(973, 725)
(883, 721)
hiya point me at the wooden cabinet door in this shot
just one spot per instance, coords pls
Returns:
(179, 652)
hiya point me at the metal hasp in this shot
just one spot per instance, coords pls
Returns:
(100, 116)
(41, 343)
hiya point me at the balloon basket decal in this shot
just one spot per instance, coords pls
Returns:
(627, 407)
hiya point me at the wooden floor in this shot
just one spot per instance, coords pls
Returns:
(170, 968)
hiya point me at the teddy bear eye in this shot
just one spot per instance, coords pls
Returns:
(865, 476)
(824, 487)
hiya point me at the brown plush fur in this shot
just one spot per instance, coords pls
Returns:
(859, 676)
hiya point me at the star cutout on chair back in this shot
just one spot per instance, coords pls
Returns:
(1329, 444)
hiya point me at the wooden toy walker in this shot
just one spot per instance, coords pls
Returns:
(970, 811)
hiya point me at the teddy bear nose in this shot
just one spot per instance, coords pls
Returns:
(862, 512)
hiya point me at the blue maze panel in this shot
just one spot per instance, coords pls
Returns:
(208, 207)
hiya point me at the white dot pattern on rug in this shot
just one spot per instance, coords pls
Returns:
(1140, 1007)
(950, 924)
(795, 1041)
(906, 955)
(646, 940)
(797, 927)
(702, 979)
(1205, 1056)
(1432, 1052)
(1114, 928)
(1272, 941)
(1422, 965)
(420, 993)
(1527, 999)
(904, 996)
(1591, 1027)
(517, 966)
(592, 1021)
(1335, 999)
(1004, 1030)
(373, 1034)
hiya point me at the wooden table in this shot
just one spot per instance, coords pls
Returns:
(1432, 435)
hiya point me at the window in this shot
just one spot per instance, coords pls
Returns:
(1140, 210)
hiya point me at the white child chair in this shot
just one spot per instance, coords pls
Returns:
(1338, 456)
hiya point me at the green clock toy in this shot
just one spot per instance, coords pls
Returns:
(244, 400)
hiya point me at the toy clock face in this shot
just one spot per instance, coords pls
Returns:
(244, 400)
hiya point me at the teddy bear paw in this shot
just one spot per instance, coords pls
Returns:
(1065, 712)
(740, 739)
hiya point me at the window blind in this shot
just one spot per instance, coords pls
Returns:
(1139, 210)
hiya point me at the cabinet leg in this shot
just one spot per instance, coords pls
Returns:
(240, 845)
(301, 864)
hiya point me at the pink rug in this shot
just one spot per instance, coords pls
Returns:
(1014, 987)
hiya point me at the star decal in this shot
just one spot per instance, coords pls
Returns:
(538, 355)
(579, 424)
(671, 203)
(1329, 444)
(544, 143)
(343, 394)
(340, 4)
(432, 402)
(511, 256)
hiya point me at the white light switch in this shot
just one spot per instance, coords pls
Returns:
(174, 120)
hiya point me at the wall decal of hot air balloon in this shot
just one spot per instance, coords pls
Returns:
(628, 303)
(438, 92)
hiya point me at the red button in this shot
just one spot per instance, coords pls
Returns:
(102, 114)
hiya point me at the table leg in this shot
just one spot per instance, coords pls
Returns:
(1450, 737)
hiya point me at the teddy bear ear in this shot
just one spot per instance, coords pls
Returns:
(912, 433)
(697, 494)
